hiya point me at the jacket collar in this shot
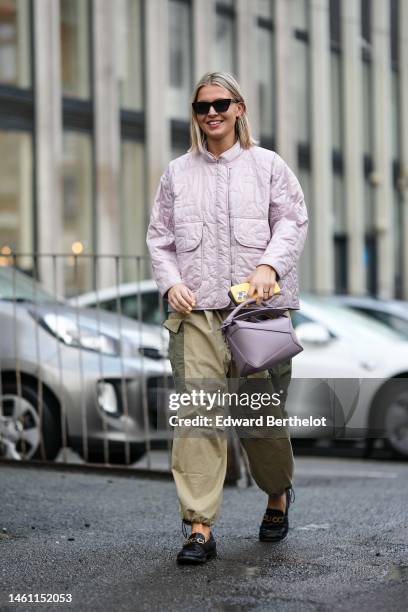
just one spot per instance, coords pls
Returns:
(228, 155)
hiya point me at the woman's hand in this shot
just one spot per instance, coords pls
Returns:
(262, 280)
(181, 298)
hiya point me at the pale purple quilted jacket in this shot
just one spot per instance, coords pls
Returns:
(214, 220)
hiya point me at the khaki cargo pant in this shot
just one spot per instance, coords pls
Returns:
(200, 358)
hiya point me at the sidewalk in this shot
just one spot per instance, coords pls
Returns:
(111, 541)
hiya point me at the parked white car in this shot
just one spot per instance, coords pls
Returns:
(364, 366)
(393, 313)
(148, 304)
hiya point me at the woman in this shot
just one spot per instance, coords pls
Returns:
(226, 212)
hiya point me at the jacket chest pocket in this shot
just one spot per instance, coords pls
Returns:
(189, 252)
(251, 239)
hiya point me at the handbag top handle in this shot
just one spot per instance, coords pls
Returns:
(233, 314)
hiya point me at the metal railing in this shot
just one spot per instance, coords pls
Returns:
(82, 381)
(85, 376)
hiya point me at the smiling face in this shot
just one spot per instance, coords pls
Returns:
(218, 126)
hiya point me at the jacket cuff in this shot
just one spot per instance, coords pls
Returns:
(164, 288)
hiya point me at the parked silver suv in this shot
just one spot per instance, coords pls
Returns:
(76, 377)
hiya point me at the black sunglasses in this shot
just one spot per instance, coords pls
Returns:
(220, 106)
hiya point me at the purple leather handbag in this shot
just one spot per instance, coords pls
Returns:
(258, 342)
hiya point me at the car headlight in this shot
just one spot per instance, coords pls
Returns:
(68, 331)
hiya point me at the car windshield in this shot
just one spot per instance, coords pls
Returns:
(394, 320)
(343, 317)
(149, 303)
(22, 288)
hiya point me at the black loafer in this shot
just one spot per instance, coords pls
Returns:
(196, 550)
(275, 524)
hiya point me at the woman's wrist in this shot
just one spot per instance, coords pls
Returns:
(270, 267)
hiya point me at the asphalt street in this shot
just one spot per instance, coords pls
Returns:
(110, 541)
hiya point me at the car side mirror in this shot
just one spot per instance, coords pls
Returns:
(313, 333)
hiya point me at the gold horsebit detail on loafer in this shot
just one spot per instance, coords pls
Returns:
(191, 540)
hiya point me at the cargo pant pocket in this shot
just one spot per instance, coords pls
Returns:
(174, 323)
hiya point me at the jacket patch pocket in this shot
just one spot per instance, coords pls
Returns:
(254, 233)
(189, 252)
(252, 236)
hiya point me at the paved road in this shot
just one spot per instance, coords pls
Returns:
(111, 542)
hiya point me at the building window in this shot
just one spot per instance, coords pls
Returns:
(265, 73)
(75, 48)
(265, 8)
(306, 264)
(301, 66)
(180, 68)
(339, 210)
(394, 34)
(300, 18)
(177, 151)
(366, 27)
(77, 232)
(340, 234)
(336, 100)
(370, 262)
(336, 75)
(366, 20)
(369, 209)
(15, 43)
(133, 216)
(370, 251)
(16, 193)
(335, 24)
(395, 111)
(225, 36)
(398, 226)
(301, 83)
(367, 122)
(129, 54)
(340, 263)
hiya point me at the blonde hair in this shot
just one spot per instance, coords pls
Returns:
(242, 127)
